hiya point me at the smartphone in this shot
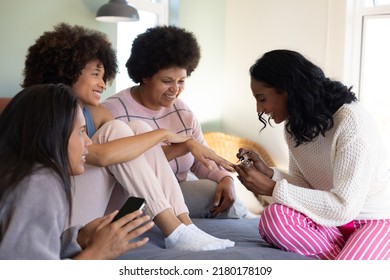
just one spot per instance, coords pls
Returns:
(132, 204)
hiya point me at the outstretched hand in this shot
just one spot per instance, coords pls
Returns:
(204, 154)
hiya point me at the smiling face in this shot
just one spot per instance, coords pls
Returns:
(78, 145)
(162, 89)
(269, 101)
(90, 85)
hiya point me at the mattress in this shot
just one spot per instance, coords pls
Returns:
(248, 244)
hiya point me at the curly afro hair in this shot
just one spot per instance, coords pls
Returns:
(162, 47)
(60, 55)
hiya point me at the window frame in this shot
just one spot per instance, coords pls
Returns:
(356, 11)
(355, 59)
(161, 9)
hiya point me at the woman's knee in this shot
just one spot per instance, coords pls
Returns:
(111, 130)
(273, 210)
(270, 217)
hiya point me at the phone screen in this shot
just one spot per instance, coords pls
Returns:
(132, 204)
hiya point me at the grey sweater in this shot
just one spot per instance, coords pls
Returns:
(33, 220)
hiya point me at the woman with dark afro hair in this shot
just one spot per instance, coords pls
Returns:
(161, 59)
(120, 155)
(334, 202)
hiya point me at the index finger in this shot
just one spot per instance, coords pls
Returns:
(128, 218)
(225, 164)
(137, 223)
(219, 161)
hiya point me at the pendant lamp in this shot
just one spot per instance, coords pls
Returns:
(117, 10)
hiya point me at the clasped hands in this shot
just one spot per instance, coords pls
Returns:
(254, 174)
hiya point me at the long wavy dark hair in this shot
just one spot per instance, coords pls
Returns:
(34, 131)
(312, 98)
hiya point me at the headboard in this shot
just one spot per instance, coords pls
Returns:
(3, 102)
(227, 146)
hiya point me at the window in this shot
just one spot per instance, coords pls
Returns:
(374, 87)
(375, 3)
(375, 71)
(151, 13)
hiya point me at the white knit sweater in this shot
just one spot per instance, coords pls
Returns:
(339, 177)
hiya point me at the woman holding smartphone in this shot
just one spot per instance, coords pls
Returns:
(43, 149)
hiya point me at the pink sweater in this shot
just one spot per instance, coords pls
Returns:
(178, 118)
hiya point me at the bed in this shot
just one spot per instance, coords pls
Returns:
(249, 245)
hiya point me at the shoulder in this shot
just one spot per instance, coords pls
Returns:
(118, 102)
(44, 190)
(116, 97)
(353, 110)
(183, 109)
(353, 122)
(43, 174)
(38, 192)
(179, 103)
(100, 115)
(353, 117)
(186, 113)
(43, 183)
(36, 211)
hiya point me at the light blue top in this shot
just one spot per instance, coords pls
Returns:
(91, 129)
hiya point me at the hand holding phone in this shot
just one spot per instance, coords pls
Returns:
(132, 204)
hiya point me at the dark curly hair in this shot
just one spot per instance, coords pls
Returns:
(312, 98)
(60, 55)
(162, 47)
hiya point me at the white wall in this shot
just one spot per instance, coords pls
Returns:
(252, 27)
(265, 25)
(205, 88)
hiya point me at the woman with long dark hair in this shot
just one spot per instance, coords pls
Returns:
(334, 201)
(42, 144)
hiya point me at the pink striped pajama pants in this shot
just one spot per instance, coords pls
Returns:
(292, 231)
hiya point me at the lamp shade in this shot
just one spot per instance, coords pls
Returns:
(117, 10)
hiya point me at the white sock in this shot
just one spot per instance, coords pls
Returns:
(171, 240)
(228, 243)
(183, 238)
